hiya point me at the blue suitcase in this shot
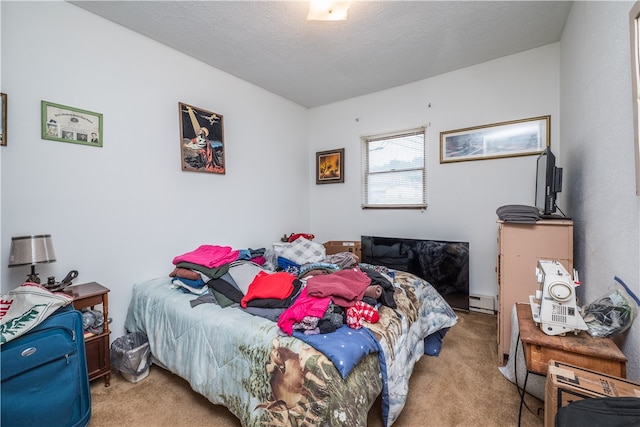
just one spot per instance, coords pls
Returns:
(44, 380)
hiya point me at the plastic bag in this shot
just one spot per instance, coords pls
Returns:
(130, 354)
(613, 312)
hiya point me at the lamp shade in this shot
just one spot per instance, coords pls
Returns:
(30, 250)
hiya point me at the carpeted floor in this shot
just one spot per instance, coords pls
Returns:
(461, 387)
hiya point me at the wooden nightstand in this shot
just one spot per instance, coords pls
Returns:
(88, 295)
(592, 353)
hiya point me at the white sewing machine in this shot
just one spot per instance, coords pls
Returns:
(556, 310)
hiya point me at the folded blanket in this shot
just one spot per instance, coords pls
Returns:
(303, 251)
(25, 307)
(518, 213)
(209, 256)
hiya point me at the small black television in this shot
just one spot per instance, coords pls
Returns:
(548, 182)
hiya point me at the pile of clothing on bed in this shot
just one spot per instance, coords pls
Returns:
(294, 290)
(296, 285)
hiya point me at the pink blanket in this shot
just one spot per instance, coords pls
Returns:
(210, 256)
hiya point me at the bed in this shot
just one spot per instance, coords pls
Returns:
(265, 378)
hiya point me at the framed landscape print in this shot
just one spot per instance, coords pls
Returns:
(330, 166)
(507, 139)
(201, 140)
(69, 124)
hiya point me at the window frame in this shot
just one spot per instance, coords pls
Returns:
(365, 140)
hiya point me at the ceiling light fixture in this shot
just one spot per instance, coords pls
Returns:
(325, 10)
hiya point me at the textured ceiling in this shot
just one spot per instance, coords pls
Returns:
(382, 44)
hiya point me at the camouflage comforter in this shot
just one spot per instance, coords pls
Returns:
(265, 379)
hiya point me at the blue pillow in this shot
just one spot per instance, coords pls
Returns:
(344, 347)
(433, 342)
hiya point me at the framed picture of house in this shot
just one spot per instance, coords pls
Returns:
(70, 124)
(330, 166)
(3, 117)
(506, 139)
(201, 140)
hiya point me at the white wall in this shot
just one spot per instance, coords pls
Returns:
(119, 214)
(1, 90)
(597, 151)
(462, 197)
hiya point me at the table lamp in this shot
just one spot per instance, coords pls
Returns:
(31, 250)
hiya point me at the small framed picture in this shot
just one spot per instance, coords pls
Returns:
(201, 140)
(330, 166)
(507, 139)
(3, 117)
(69, 124)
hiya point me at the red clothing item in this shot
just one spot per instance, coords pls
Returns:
(344, 287)
(276, 285)
(361, 312)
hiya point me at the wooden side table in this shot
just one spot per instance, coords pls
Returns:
(88, 295)
(583, 350)
(593, 353)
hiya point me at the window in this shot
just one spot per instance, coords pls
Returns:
(394, 170)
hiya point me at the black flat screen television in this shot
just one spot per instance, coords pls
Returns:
(548, 183)
(444, 264)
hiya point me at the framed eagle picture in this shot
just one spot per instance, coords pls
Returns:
(201, 140)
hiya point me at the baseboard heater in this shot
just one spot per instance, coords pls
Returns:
(481, 304)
